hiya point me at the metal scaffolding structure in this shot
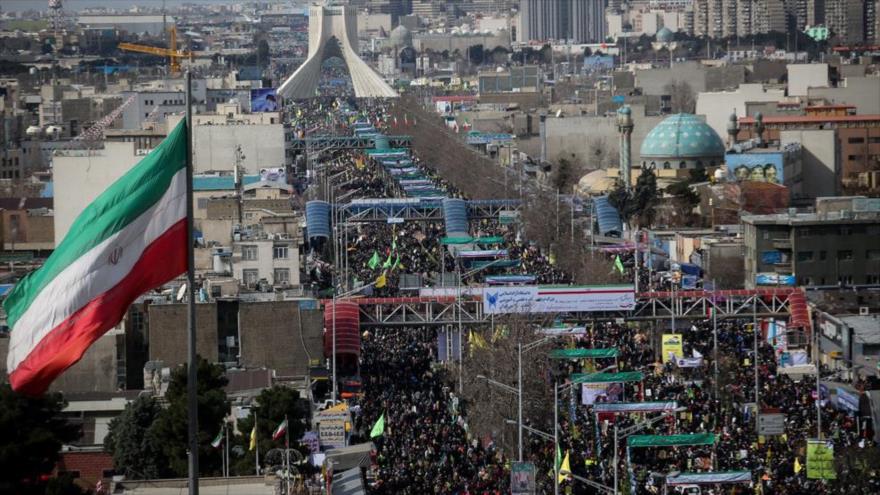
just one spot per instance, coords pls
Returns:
(426, 211)
(688, 305)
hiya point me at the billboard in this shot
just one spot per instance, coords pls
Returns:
(522, 478)
(264, 100)
(672, 346)
(557, 299)
(758, 167)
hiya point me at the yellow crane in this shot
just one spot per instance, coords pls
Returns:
(174, 55)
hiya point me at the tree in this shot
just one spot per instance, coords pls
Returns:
(133, 441)
(273, 405)
(565, 174)
(64, 485)
(681, 97)
(645, 197)
(33, 433)
(172, 425)
(475, 53)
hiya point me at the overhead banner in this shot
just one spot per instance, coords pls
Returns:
(672, 347)
(633, 407)
(556, 299)
(820, 460)
(689, 362)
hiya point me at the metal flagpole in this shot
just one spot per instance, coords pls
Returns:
(287, 452)
(715, 337)
(256, 445)
(755, 330)
(192, 371)
(226, 434)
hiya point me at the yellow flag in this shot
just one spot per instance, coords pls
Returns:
(797, 466)
(564, 469)
(381, 281)
(253, 437)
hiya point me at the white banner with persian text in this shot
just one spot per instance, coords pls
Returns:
(569, 299)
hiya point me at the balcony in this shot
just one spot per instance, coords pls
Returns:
(782, 244)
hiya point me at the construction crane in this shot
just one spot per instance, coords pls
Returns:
(174, 55)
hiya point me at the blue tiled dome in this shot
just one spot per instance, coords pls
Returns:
(682, 135)
(665, 35)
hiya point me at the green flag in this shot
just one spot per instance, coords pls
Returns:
(387, 263)
(374, 261)
(378, 428)
(217, 440)
(396, 262)
(618, 264)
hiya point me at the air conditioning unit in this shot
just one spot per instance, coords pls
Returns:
(864, 311)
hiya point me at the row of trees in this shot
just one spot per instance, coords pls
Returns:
(149, 441)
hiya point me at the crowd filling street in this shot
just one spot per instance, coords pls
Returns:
(427, 445)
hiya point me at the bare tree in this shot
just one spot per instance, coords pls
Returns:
(681, 97)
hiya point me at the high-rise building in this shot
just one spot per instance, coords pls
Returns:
(586, 21)
(726, 18)
(845, 19)
(582, 21)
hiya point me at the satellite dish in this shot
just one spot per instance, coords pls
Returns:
(181, 292)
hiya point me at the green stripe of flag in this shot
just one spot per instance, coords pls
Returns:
(124, 201)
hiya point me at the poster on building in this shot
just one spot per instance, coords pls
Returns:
(672, 346)
(547, 299)
(522, 478)
(757, 167)
(820, 460)
(264, 100)
(771, 278)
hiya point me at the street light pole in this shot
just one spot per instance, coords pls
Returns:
(616, 460)
(555, 438)
(519, 385)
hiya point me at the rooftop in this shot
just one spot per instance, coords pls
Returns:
(831, 217)
(866, 328)
(803, 119)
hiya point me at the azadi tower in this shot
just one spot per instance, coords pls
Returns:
(333, 32)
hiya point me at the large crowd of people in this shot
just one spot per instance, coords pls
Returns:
(427, 446)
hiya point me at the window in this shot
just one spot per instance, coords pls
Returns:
(845, 280)
(874, 140)
(854, 157)
(72, 474)
(822, 255)
(765, 234)
(282, 276)
(249, 253)
(856, 140)
(805, 256)
(845, 255)
(108, 473)
(804, 232)
(250, 277)
(873, 254)
(280, 253)
(873, 279)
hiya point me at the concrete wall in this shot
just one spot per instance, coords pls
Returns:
(168, 333)
(214, 147)
(863, 92)
(818, 160)
(582, 135)
(278, 335)
(81, 176)
(718, 106)
(95, 372)
(801, 77)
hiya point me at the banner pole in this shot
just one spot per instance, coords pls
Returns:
(192, 371)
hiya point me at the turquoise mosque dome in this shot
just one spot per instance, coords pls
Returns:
(665, 35)
(682, 140)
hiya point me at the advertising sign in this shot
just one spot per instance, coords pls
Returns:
(274, 174)
(547, 299)
(672, 346)
(609, 392)
(771, 424)
(264, 100)
(820, 460)
(771, 257)
(522, 478)
(331, 426)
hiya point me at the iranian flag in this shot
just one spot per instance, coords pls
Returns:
(131, 239)
(280, 431)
